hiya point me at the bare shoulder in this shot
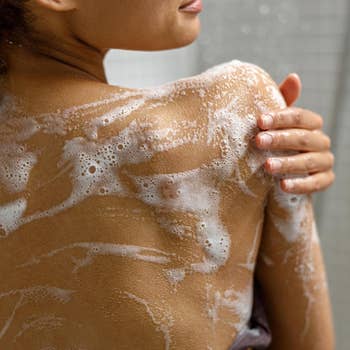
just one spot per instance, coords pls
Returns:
(234, 91)
(230, 97)
(251, 84)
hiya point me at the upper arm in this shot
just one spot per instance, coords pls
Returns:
(290, 266)
(235, 94)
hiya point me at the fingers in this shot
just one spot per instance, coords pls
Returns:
(313, 183)
(292, 117)
(303, 163)
(291, 88)
(293, 139)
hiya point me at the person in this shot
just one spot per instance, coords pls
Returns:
(139, 218)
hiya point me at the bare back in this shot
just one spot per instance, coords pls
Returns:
(131, 219)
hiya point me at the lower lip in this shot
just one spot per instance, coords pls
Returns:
(194, 7)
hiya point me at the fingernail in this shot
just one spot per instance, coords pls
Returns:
(267, 121)
(266, 139)
(275, 164)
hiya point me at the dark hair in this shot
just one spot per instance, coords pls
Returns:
(13, 25)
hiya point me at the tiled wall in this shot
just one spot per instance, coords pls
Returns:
(309, 37)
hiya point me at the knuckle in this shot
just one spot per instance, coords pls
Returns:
(310, 163)
(276, 139)
(301, 187)
(304, 140)
(279, 120)
(287, 139)
(298, 117)
(287, 166)
(284, 138)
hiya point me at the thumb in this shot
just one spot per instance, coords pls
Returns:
(291, 88)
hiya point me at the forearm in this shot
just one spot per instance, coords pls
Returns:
(292, 275)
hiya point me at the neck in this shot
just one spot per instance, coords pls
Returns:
(68, 58)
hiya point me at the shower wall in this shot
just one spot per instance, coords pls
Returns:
(311, 38)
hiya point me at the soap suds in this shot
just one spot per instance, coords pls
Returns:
(118, 113)
(95, 163)
(238, 303)
(296, 228)
(40, 323)
(203, 203)
(10, 214)
(291, 228)
(161, 318)
(94, 249)
(236, 133)
(250, 264)
(16, 165)
(34, 294)
(175, 276)
(267, 260)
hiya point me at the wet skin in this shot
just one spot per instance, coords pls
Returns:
(130, 270)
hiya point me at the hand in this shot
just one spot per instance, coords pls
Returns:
(299, 130)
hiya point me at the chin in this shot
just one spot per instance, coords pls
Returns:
(184, 43)
(186, 35)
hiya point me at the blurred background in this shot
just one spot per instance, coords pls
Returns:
(309, 37)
